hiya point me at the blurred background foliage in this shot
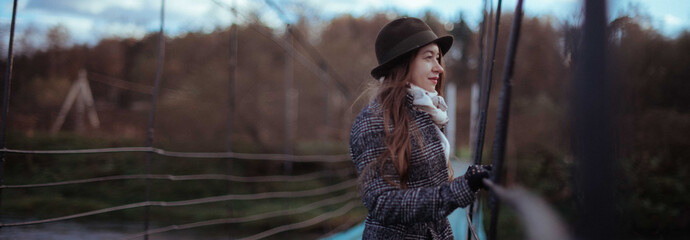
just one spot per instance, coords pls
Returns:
(651, 73)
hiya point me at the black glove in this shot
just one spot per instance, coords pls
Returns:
(475, 174)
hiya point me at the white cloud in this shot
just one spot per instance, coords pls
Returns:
(97, 7)
(88, 20)
(414, 4)
(672, 20)
(184, 8)
(122, 30)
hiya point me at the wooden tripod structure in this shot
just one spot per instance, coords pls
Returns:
(79, 94)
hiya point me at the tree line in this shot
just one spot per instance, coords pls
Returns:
(649, 71)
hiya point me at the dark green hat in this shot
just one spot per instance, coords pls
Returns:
(402, 36)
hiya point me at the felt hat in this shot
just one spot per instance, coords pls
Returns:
(402, 36)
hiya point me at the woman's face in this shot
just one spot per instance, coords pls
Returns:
(426, 68)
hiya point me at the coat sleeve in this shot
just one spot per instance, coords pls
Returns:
(387, 203)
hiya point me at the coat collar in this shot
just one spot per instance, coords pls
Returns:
(409, 99)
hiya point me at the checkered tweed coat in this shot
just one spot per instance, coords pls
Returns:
(421, 210)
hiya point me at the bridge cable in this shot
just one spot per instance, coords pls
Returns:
(306, 223)
(256, 179)
(254, 196)
(311, 50)
(261, 216)
(162, 152)
(309, 65)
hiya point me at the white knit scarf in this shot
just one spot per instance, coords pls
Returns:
(431, 103)
(435, 106)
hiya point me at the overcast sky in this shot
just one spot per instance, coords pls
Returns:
(89, 20)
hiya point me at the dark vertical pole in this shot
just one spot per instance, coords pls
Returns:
(500, 137)
(592, 129)
(231, 80)
(473, 122)
(482, 32)
(289, 99)
(6, 93)
(152, 113)
(480, 74)
(485, 93)
(485, 70)
(231, 100)
(479, 145)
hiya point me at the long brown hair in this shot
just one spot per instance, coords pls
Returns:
(391, 95)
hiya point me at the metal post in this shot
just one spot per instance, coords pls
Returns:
(231, 80)
(152, 113)
(6, 94)
(485, 70)
(485, 89)
(475, 86)
(289, 105)
(479, 145)
(451, 90)
(500, 136)
(231, 101)
(592, 129)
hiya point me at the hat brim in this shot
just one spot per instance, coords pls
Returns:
(444, 44)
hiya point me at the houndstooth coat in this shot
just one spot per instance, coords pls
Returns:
(421, 210)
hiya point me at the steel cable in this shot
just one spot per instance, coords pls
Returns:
(127, 85)
(261, 216)
(485, 95)
(120, 83)
(256, 179)
(311, 50)
(162, 152)
(304, 224)
(255, 196)
(312, 67)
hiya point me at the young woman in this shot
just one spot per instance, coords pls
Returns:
(398, 142)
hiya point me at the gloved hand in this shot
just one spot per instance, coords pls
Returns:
(475, 174)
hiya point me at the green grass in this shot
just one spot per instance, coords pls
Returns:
(50, 202)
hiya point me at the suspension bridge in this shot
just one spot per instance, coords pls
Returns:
(336, 194)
